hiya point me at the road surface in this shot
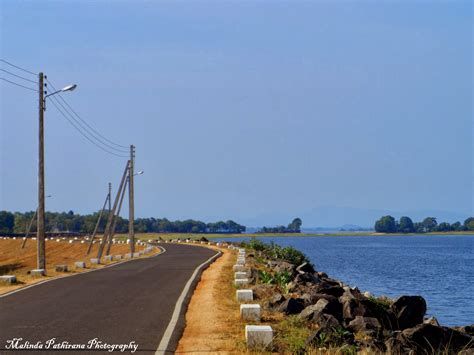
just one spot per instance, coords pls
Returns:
(128, 304)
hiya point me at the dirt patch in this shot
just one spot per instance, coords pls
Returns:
(212, 321)
(17, 261)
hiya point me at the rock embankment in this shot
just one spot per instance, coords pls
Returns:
(341, 315)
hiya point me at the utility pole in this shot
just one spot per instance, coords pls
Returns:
(112, 213)
(41, 254)
(131, 204)
(110, 195)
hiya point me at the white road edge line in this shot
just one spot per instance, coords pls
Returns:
(80, 273)
(162, 347)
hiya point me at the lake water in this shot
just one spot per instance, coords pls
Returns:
(439, 268)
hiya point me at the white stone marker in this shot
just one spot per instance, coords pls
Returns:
(258, 335)
(240, 275)
(38, 272)
(128, 256)
(136, 255)
(240, 262)
(108, 258)
(95, 261)
(8, 279)
(250, 312)
(117, 257)
(238, 268)
(244, 295)
(241, 282)
(80, 265)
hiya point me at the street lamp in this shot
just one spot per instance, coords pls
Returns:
(139, 173)
(40, 229)
(71, 87)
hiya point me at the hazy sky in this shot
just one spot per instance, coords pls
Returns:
(246, 110)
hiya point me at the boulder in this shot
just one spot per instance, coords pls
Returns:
(274, 301)
(312, 296)
(432, 321)
(291, 306)
(409, 311)
(305, 268)
(329, 306)
(336, 291)
(325, 321)
(281, 266)
(428, 338)
(364, 324)
(468, 329)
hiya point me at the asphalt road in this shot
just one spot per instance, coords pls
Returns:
(130, 302)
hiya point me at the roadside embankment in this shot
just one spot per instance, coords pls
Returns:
(309, 312)
(18, 262)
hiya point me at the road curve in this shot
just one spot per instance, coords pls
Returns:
(130, 302)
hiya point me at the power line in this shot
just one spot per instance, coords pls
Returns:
(19, 76)
(16, 66)
(91, 129)
(85, 128)
(24, 87)
(54, 101)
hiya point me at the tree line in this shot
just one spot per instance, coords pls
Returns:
(293, 227)
(18, 222)
(388, 224)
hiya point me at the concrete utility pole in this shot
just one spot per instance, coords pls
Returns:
(112, 213)
(110, 195)
(41, 254)
(131, 202)
(98, 221)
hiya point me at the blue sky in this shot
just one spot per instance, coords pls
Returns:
(255, 111)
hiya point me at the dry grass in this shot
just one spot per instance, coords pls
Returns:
(212, 319)
(18, 262)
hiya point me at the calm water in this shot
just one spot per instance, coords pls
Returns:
(439, 268)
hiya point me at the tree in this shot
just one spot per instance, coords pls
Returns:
(469, 224)
(7, 222)
(406, 225)
(457, 226)
(429, 224)
(386, 224)
(295, 225)
(444, 227)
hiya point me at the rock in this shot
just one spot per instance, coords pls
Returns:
(275, 300)
(432, 321)
(322, 275)
(325, 321)
(335, 291)
(281, 266)
(263, 291)
(306, 278)
(353, 307)
(468, 329)
(364, 324)
(291, 306)
(329, 306)
(409, 311)
(428, 338)
(311, 297)
(305, 268)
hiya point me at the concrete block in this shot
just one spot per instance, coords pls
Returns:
(258, 336)
(95, 261)
(240, 275)
(136, 255)
(128, 256)
(238, 267)
(71, 241)
(240, 262)
(241, 282)
(117, 257)
(80, 265)
(244, 295)
(7, 279)
(61, 268)
(250, 312)
(108, 258)
(38, 272)
(82, 241)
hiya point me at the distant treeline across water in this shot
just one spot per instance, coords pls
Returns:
(18, 222)
(388, 224)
